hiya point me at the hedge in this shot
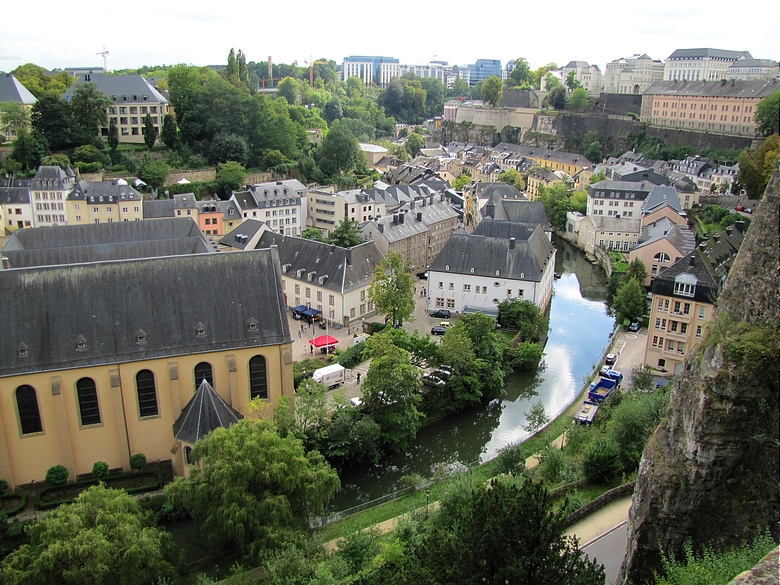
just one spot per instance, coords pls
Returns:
(153, 485)
(19, 507)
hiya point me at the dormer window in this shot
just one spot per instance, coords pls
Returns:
(22, 351)
(252, 325)
(200, 330)
(140, 337)
(81, 343)
(685, 285)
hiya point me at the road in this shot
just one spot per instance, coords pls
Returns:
(609, 549)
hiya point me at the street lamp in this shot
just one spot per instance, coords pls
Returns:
(427, 498)
(563, 437)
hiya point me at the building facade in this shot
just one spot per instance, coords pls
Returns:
(618, 198)
(280, 204)
(587, 75)
(103, 202)
(721, 107)
(484, 69)
(753, 70)
(374, 70)
(701, 64)
(103, 380)
(632, 75)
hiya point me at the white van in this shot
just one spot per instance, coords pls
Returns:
(332, 376)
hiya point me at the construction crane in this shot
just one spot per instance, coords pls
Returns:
(311, 70)
(104, 53)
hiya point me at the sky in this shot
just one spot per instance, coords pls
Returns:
(414, 32)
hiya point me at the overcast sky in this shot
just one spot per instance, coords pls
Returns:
(57, 35)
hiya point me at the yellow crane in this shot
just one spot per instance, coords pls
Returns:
(311, 70)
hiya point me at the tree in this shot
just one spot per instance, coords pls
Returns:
(629, 302)
(601, 460)
(392, 392)
(539, 74)
(313, 234)
(414, 143)
(305, 415)
(150, 131)
(579, 100)
(594, 153)
(461, 182)
(104, 537)
(345, 234)
(572, 82)
(230, 177)
(392, 291)
(42, 83)
(253, 488)
(339, 150)
(154, 173)
(756, 166)
(56, 160)
(113, 135)
(768, 114)
(15, 118)
(536, 418)
(227, 147)
(170, 132)
(53, 118)
(289, 89)
(489, 348)
(492, 90)
(636, 269)
(523, 315)
(505, 532)
(89, 106)
(557, 98)
(29, 149)
(551, 82)
(521, 74)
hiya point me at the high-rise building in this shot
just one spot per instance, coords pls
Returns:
(371, 70)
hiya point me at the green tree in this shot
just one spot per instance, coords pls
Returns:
(541, 73)
(512, 177)
(53, 118)
(507, 532)
(100, 470)
(556, 98)
(150, 132)
(557, 203)
(521, 74)
(313, 234)
(15, 118)
(345, 234)
(414, 143)
(392, 291)
(154, 173)
(113, 135)
(56, 160)
(492, 90)
(756, 166)
(29, 149)
(289, 89)
(579, 100)
(104, 537)
(629, 302)
(57, 475)
(230, 177)
(253, 488)
(461, 182)
(305, 415)
(490, 350)
(227, 147)
(525, 316)
(551, 82)
(339, 150)
(572, 82)
(170, 132)
(536, 418)
(42, 83)
(89, 106)
(636, 269)
(594, 152)
(601, 460)
(392, 392)
(768, 114)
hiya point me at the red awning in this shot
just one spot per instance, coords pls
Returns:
(324, 341)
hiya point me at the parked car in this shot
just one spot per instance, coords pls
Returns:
(422, 275)
(438, 330)
(610, 359)
(442, 313)
(739, 208)
(444, 324)
(603, 371)
(635, 326)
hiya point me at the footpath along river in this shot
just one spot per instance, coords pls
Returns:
(580, 329)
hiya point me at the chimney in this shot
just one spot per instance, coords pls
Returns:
(740, 225)
(401, 217)
(395, 219)
(411, 205)
(716, 237)
(381, 227)
(419, 216)
(692, 261)
(512, 243)
(729, 230)
(6, 264)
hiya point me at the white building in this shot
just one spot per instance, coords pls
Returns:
(632, 74)
(701, 64)
(500, 260)
(281, 205)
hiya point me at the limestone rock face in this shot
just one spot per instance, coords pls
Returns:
(711, 472)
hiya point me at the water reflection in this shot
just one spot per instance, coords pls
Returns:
(579, 331)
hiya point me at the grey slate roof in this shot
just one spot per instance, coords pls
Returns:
(605, 223)
(55, 177)
(117, 312)
(158, 208)
(526, 259)
(659, 196)
(678, 236)
(527, 212)
(74, 244)
(240, 235)
(345, 269)
(120, 85)
(12, 91)
(205, 412)
(723, 88)
(711, 53)
(108, 192)
(709, 262)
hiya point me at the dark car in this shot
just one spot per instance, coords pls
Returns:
(438, 330)
(422, 275)
(635, 326)
(442, 314)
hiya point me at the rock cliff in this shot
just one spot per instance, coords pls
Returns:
(710, 472)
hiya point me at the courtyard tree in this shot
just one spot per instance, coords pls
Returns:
(313, 234)
(392, 291)
(253, 488)
(53, 118)
(154, 172)
(629, 302)
(103, 537)
(345, 234)
(414, 143)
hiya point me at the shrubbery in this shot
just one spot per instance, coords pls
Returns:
(601, 461)
(57, 475)
(138, 461)
(100, 470)
(352, 356)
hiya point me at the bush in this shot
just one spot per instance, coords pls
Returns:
(352, 356)
(138, 461)
(552, 464)
(89, 167)
(376, 327)
(511, 460)
(100, 470)
(57, 475)
(3, 486)
(304, 369)
(601, 461)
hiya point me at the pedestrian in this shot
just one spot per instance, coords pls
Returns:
(300, 334)
(311, 349)
(358, 378)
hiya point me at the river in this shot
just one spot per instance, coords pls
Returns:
(579, 332)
